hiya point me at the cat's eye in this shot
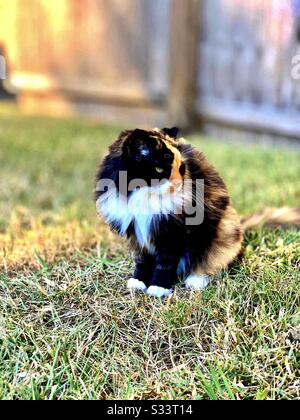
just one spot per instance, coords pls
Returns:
(167, 156)
(159, 170)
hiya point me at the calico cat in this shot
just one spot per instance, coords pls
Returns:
(175, 232)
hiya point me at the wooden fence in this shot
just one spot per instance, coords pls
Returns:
(218, 63)
(245, 77)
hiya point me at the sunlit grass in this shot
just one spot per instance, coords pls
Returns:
(69, 328)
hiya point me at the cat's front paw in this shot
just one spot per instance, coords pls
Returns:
(159, 292)
(134, 284)
(197, 283)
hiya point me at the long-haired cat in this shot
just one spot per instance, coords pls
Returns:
(149, 189)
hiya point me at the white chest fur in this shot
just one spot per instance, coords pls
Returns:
(144, 208)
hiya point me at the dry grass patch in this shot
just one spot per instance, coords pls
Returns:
(69, 329)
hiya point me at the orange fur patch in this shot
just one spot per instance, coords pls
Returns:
(175, 178)
(226, 247)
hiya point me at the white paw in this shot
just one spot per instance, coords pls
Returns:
(134, 284)
(195, 282)
(159, 292)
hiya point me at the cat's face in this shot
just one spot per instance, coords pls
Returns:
(154, 155)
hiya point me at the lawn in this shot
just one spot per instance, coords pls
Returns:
(69, 329)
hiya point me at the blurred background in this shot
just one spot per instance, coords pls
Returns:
(229, 67)
(73, 73)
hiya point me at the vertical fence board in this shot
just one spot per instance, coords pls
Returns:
(184, 28)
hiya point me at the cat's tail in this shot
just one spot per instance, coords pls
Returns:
(284, 217)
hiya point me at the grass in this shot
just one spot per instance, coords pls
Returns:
(69, 329)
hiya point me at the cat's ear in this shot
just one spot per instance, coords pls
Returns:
(172, 132)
